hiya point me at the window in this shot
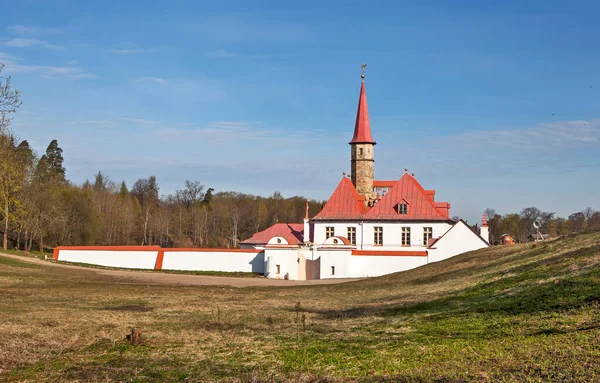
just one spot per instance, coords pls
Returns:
(332, 270)
(352, 235)
(378, 237)
(360, 151)
(402, 208)
(278, 240)
(278, 269)
(406, 236)
(328, 232)
(427, 234)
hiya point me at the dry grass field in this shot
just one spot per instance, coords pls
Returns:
(515, 313)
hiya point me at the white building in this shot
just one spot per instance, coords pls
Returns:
(367, 227)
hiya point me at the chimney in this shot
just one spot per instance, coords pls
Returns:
(485, 230)
(306, 225)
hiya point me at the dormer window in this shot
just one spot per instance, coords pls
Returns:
(402, 208)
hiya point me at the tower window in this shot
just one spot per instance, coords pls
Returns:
(406, 236)
(378, 235)
(278, 269)
(328, 232)
(427, 234)
(360, 151)
(352, 235)
(332, 270)
(402, 208)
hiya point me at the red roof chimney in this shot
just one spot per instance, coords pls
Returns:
(484, 220)
(362, 128)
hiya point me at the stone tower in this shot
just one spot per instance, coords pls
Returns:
(362, 153)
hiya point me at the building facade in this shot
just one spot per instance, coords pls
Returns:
(367, 227)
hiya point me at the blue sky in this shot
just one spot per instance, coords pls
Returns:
(493, 104)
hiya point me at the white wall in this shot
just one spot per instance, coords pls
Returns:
(336, 258)
(340, 229)
(457, 240)
(207, 260)
(392, 233)
(286, 258)
(131, 259)
(374, 266)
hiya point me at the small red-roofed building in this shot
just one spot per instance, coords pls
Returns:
(367, 227)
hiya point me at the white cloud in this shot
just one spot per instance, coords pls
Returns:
(33, 31)
(221, 53)
(131, 51)
(139, 120)
(234, 132)
(157, 80)
(20, 42)
(14, 65)
(545, 148)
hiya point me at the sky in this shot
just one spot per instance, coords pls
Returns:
(493, 104)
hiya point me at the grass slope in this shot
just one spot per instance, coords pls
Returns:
(514, 313)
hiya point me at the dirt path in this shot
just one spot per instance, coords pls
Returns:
(153, 277)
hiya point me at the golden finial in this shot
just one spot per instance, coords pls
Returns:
(363, 66)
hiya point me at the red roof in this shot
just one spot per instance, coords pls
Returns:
(420, 204)
(292, 232)
(362, 128)
(344, 203)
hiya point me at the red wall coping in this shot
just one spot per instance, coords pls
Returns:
(152, 248)
(208, 250)
(389, 253)
(113, 248)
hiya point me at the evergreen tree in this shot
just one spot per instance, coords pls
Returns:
(50, 166)
(123, 191)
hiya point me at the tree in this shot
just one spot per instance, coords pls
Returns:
(10, 100)
(145, 190)
(11, 183)
(50, 167)
(576, 222)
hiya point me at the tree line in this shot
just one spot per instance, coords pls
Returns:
(520, 225)
(43, 209)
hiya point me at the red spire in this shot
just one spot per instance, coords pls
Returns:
(362, 128)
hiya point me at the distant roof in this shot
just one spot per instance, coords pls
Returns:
(344, 203)
(292, 232)
(420, 204)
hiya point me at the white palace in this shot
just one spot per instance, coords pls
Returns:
(367, 228)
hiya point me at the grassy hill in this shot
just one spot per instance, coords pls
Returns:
(527, 312)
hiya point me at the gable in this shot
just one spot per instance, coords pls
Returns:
(459, 231)
(407, 190)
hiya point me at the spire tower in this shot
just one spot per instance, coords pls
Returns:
(362, 154)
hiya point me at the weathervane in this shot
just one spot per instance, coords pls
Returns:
(363, 66)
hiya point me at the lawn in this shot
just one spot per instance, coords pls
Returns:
(516, 313)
